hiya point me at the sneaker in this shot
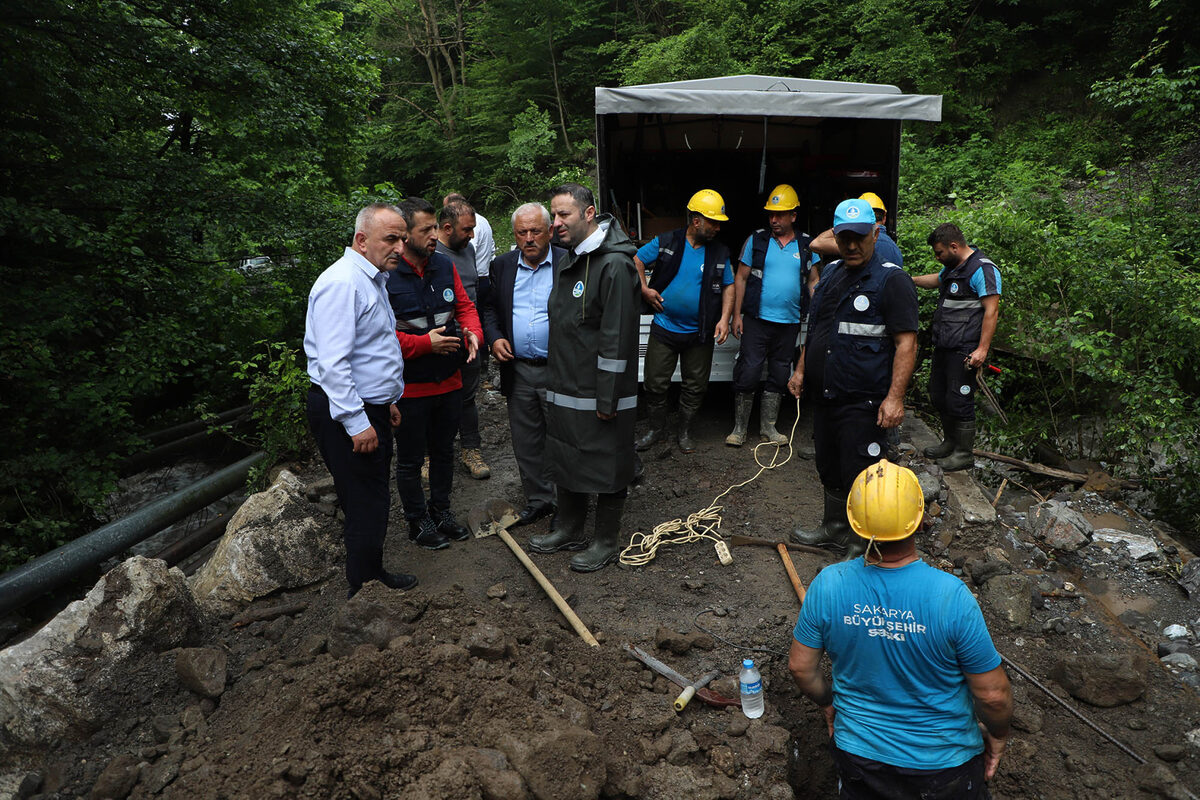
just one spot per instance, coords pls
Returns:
(473, 461)
(425, 533)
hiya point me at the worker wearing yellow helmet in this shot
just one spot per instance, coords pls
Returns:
(770, 298)
(919, 698)
(885, 245)
(690, 289)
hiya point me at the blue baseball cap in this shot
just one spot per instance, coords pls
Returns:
(854, 215)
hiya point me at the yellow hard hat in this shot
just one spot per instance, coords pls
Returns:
(783, 198)
(874, 200)
(708, 203)
(885, 502)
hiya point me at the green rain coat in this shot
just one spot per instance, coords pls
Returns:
(593, 366)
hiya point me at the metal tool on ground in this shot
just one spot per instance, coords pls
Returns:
(738, 540)
(791, 571)
(706, 696)
(494, 519)
(687, 694)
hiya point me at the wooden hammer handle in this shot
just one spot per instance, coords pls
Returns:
(791, 571)
(549, 589)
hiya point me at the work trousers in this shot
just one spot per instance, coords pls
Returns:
(772, 344)
(952, 384)
(361, 481)
(468, 424)
(664, 350)
(866, 779)
(427, 425)
(847, 441)
(527, 423)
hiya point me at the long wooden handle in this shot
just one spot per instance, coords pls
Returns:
(549, 589)
(791, 571)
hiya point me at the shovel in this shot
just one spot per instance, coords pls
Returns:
(495, 519)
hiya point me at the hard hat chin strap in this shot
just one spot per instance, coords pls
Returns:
(867, 555)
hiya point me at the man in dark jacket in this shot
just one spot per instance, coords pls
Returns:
(517, 324)
(691, 292)
(856, 363)
(591, 390)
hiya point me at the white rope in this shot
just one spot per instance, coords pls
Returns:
(703, 524)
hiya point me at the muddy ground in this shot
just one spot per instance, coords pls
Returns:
(481, 690)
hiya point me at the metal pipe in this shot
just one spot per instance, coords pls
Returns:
(196, 540)
(20, 585)
(177, 431)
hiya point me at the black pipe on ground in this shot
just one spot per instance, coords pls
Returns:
(20, 585)
(187, 428)
(196, 540)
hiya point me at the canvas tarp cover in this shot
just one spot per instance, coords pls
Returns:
(763, 95)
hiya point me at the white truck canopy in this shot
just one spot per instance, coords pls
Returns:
(764, 95)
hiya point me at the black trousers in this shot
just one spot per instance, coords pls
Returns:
(952, 384)
(865, 779)
(427, 425)
(468, 424)
(362, 483)
(769, 343)
(847, 441)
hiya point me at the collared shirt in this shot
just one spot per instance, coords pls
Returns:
(592, 242)
(531, 294)
(350, 340)
(485, 246)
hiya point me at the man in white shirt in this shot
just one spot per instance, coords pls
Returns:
(357, 374)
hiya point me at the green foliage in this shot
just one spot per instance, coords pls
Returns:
(276, 382)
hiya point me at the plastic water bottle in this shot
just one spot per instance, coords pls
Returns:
(751, 686)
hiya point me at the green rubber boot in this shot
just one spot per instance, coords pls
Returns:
(946, 447)
(963, 455)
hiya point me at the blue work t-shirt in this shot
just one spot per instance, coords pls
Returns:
(681, 297)
(979, 281)
(783, 280)
(889, 251)
(900, 640)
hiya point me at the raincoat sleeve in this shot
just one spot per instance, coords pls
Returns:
(618, 333)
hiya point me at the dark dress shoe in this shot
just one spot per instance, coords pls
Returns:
(531, 514)
(397, 580)
(449, 527)
(425, 533)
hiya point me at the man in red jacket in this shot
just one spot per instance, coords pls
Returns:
(439, 331)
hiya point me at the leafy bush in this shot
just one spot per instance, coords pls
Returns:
(277, 383)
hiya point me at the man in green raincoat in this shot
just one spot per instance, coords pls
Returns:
(591, 390)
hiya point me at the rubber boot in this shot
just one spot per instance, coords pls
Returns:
(568, 531)
(834, 527)
(742, 403)
(686, 445)
(657, 405)
(946, 447)
(766, 418)
(604, 549)
(963, 455)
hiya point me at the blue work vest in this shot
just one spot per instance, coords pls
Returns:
(422, 303)
(859, 360)
(670, 256)
(759, 243)
(958, 320)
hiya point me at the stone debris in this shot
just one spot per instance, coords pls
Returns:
(1139, 546)
(1059, 526)
(202, 669)
(1101, 680)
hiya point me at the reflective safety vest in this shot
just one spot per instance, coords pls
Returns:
(670, 256)
(422, 303)
(759, 244)
(958, 320)
(858, 361)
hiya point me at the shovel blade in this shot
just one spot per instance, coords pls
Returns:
(493, 516)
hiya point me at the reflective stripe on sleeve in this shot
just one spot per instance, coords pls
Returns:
(611, 364)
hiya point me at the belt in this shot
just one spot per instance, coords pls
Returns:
(536, 362)
(316, 387)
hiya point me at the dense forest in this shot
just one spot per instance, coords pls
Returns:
(154, 155)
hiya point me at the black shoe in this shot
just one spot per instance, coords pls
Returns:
(448, 526)
(531, 514)
(425, 533)
(397, 580)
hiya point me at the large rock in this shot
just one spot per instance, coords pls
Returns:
(1101, 680)
(1058, 525)
(52, 683)
(563, 764)
(1010, 598)
(202, 669)
(273, 542)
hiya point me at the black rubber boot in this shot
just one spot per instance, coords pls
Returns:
(686, 445)
(834, 528)
(742, 405)
(657, 407)
(568, 531)
(604, 549)
(946, 447)
(963, 455)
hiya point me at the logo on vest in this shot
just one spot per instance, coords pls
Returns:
(873, 449)
(964, 390)
(577, 291)
(448, 295)
(954, 288)
(861, 303)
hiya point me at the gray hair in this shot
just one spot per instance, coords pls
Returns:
(366, 217)
(528, 207)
